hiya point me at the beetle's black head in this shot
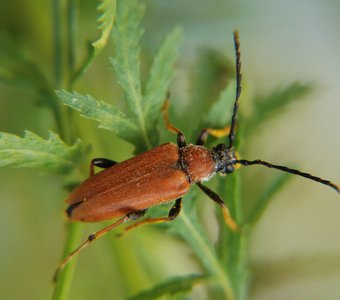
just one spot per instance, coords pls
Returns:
(225, 159)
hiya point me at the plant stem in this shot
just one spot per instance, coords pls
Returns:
(67, 132)
(71, 34)
(57, 39)
(212, 262)
(62, 288)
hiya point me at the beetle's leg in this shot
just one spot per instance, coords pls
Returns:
(181, 142)
(214, 132)
(101, 163)
(168, 124)
(173, 213)
(226, 214)
(94, 236)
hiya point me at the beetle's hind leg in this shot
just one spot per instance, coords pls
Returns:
(103, 163)
(226, 214)
(173, 213)
(94, 236)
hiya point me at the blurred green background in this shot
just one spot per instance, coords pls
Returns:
(295, 249)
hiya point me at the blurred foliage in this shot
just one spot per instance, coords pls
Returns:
(221, 266)
(32, 151)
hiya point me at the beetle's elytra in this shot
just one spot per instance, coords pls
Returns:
(126, 190)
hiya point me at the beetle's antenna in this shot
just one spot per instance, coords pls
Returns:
(288, 170)
(238, 89)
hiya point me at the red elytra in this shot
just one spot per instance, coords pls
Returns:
(149, 179)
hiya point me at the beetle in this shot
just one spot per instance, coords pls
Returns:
(126, 190)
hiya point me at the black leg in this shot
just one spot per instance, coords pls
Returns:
(226, 214)
(173, 213)
(181, 142)
(103, 163)
(202, 137)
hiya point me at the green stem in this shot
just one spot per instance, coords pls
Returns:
(63, 285)
(71, 34)
(57, 39)
(212, 262)
(74, 230)
(85, 65)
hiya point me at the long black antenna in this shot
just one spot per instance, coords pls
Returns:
(292, 171)
(238, 89)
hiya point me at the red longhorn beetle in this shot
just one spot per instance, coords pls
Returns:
(160, 175)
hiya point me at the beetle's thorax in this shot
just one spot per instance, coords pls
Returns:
(224, 158)
(197, 162)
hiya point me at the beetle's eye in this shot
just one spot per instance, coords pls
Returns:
(229, 169)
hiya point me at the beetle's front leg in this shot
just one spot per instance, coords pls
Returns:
(216, 198)
(103, 163)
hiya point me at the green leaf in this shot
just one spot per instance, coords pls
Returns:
(268, 106)
(219, 115)
(33, 151)
(262, 202)
(209, 77)
(171, 287)
(126, 35)
(107, 115)
(106, 19)
(138, 125)
(188, 227)
(161, 74)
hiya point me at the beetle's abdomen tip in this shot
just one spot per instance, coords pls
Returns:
(70, 209)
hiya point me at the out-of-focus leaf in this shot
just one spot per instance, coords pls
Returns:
(210, 75)
(172, 286)
(31, 150)
(188, 227)
(266, 197)
(106, 19)
(268, 106)
(219, 115)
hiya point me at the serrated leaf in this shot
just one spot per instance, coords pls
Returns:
(161, 73)
(171, 286)
(137, 126)
(268, 106)
(107, 115)
(31, 150)
(126, 34)
(158, 82)
(106, 19)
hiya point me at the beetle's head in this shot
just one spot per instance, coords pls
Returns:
(225, 159)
